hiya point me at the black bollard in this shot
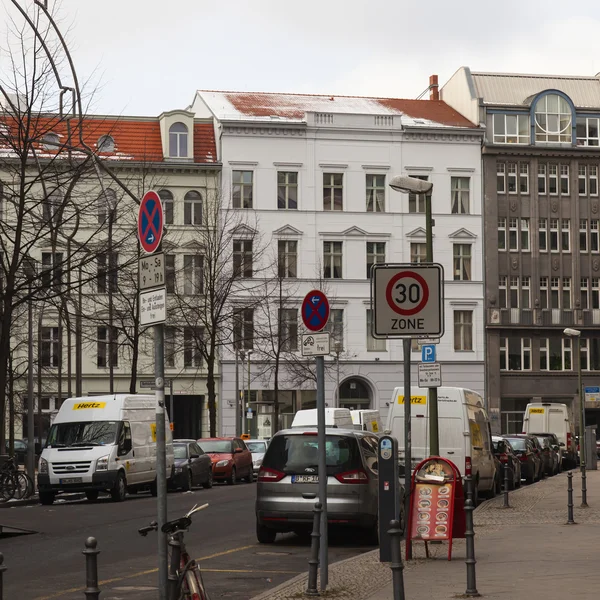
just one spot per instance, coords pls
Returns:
(395, 533)
(92, 591)
(584, 503)
(2, 569)
(506, 473)
(570, 520)
(470, 541)
(313, 561)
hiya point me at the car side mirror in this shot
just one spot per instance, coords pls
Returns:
(194, 456)
(562, 444)
(238, 450)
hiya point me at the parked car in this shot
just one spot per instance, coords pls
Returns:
(287, 482)
(526, 450)
(551, 449)
(192, 466)
(20, 450)
(508, 459)
(231, 459)
(544, 456)
(258, 449)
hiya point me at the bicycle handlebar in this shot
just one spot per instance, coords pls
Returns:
(172, 526)
(143, 531)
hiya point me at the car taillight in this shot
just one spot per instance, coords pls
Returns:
(270, 475)
(309, 433)
(568, 440)
(523, 457)
(358, 476)
(503, 458)
(468, 466)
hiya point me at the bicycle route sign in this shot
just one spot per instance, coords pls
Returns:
(150, 222)
(407, 300)
(315, 310)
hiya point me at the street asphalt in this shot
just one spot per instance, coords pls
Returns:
(48, 564)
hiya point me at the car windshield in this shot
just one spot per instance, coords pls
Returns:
(180, 450)
(296, 453)
(518, 443)
(216, 446)
(257, 447)
(82, 433)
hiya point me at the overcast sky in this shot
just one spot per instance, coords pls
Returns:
(150, 55)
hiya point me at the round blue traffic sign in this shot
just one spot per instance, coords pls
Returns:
(150, 222)
(315, 310)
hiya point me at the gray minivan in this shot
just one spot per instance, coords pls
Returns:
(288, 482)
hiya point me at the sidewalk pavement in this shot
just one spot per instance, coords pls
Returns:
(523, 552)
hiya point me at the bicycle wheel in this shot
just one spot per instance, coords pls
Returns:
(192, 586)
(7, 487)
(24, 486)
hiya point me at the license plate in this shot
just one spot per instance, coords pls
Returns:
(71, 480)
(305, 479)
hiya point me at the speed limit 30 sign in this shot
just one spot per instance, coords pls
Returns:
(407, 300)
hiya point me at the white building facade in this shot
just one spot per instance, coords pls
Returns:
(315, 172)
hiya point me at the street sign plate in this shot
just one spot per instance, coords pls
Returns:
(430, 375)
(408, 300)
(424, 341)
(592, 393)
(150, 222)
(315, 310)
(150, 383)
(153, 306)
(428, 354)
(151, 271)
(315, 344)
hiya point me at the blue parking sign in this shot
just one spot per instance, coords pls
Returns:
(428, 354)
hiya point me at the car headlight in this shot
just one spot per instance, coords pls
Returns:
(222, 463)
(178, 469)
(257, 462)
(102, 463)
(43, 466)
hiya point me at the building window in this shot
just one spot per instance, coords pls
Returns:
(588, 131)
(170, 273)
(525, 235)
(513, 234)
(553, 180)
(514, 292)
(515, 354)
(526, 292)
(555, 354)
(565, 237)
(170, 334)
(51, 207)
(541, 180)
(418, 252)
(242, 258)
(192, 341)
(333, 191)
(502, 233)
(335, 326)
(554, 292)
(243, 329)
(566, 292)
(52, 270)
(463, 330)
(553, 120)
(583, 235)
(107, 206)
(373, 344)
(288, 317)
(582, 180)
(593, 182)
(564, 179)
(584, 355)
(595, 292)
(192, 208)
(178, 140)
(543, 235)
(242, 189)
(544, 292)
(104, 355)
(287, 190)
(51, 141)
(584, 293)
(511, 129)
(594, 240)
(462, 262)
(512, 178)
(332, 260)
(107, 274)
(375, 193)
(417, 202)
(287, 258)
(502, 296)
(105, 144)
(554, 235)
(193, 279)
(501, 178)
(50, 347)
(375, 255)
(166, 198)
(460, 195)
(524, 179)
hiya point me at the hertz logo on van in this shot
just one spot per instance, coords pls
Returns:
(536, 411)
(84, 405)
(413, 399)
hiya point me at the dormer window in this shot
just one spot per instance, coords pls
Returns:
(50, 141)
(178, 140)
(553, 119)
(106, 144)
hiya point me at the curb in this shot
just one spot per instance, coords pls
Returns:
(35, 500)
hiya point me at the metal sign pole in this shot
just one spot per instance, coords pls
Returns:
(322, 470)
(407, 434)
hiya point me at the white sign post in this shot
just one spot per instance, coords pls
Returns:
(315, 344)
(153, 306)
(430, 375)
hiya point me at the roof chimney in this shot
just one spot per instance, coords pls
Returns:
(434, 92)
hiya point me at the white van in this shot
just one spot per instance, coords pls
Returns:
(553, 417)
(334, 417)
(464, 432)
(102, 443)
(367, 420)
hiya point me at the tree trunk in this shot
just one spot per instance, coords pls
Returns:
(275, 425)
(210, 385)
(11, 410)
(4, 358)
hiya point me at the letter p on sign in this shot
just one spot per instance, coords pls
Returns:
(428, 354)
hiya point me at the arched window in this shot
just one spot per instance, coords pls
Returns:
(50, 141)
(106, 144)
(178, 140)
(167, 201)
(553, 120)
(107, 203)
(354, 394)
(192, 208)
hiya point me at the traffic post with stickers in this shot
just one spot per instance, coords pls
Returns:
(437, 508)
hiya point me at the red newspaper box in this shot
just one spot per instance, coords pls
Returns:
(437, 508)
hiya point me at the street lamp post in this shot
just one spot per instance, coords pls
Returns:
(248, 401)
(239, 398)
(575, 333)
(338, 350)
(30, 272)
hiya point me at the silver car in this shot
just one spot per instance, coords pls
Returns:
(258, 449)
(288, 482)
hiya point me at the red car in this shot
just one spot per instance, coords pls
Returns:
(231, 459)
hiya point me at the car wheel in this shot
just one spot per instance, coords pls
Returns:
(47, 498)
(250, 477)
(498, 484)
(233, 479)
(154, 488)
(188, 483)
(92, 495)
(119, 491)
(209, 481)
(264, 535)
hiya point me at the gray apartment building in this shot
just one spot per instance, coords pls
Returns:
(540, 162)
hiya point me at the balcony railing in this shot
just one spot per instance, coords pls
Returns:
(547, 317)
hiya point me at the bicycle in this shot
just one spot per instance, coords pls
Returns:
(14, 483)
(185, 577)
